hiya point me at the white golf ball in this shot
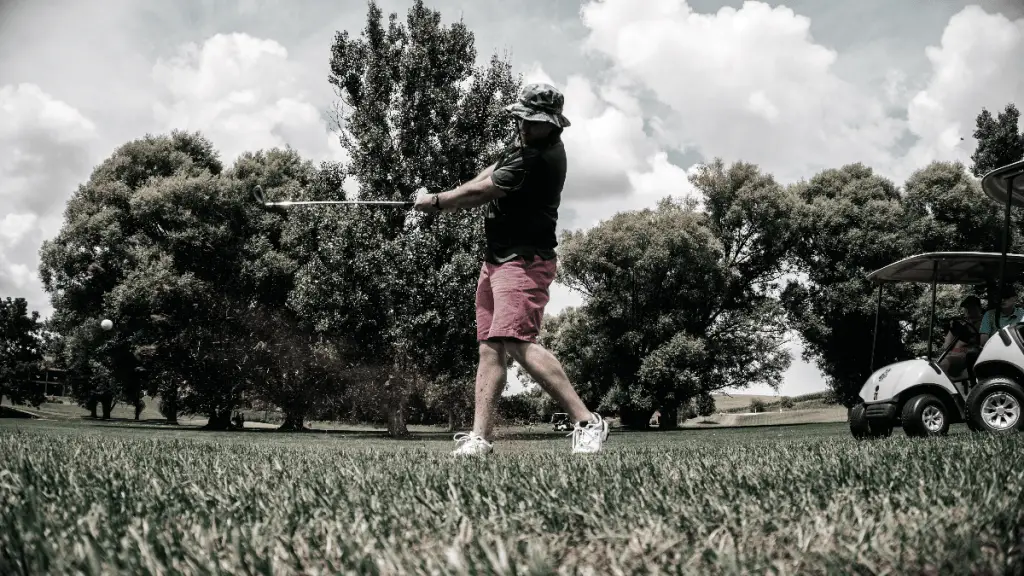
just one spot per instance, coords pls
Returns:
(106, 324)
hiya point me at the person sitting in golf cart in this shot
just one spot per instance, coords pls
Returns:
(959, 357)
(1008, 313)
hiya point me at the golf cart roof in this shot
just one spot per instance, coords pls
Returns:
(994, 183)
(953, 268)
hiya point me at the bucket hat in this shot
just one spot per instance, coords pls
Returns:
(540, 102)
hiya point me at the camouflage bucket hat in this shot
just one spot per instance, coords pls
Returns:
(540, 103)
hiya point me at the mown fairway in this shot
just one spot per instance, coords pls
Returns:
(94, 499)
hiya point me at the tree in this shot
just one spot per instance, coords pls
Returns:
(415, 112)
(21, 352)
(850, 222)
(750, 214)
(949, 212)
(639, 349)
(170, 246)
(999, 142)
(786, 402)
(98, 246)
(296, 369)
(757, 405)
(704, 405)
(714, 320)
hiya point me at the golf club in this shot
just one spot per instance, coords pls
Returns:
(257, 193)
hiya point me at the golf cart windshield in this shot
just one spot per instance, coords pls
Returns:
(997, 182)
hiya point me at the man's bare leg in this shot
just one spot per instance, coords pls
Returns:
(547, 371)
(490, 383)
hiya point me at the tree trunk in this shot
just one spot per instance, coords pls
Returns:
(169, 405)
(669, 418)
(397, 427)
(635, 419)
(92, 405)
(219, 420)
(107, 402)
(452, 424)
(293, 422)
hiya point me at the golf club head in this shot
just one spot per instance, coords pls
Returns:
(257, 193)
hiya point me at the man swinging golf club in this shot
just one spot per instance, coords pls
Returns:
(522, 190)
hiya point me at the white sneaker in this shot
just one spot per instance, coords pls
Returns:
(590, 438)
(471, 445)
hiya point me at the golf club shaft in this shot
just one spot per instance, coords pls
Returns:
(257, 193)
(312, 202)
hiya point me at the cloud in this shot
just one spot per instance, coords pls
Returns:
(647, 184)
(48, 145)
(606, 140)
(748, 84)
(243, 93)
(614, 163)
(976, 65)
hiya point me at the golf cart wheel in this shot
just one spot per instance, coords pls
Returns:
(863, 428)
(996, 405)
(925, 415)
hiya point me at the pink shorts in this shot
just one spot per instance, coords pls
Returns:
(510, 298)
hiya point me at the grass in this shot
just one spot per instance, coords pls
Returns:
(732, 402)
(830, 414)
(740, 403)
(92, 499)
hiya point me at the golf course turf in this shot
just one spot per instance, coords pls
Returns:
(86, 498)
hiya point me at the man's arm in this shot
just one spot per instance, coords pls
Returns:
(987, 328)
(485, 173)
(948, 340)
(476, 192)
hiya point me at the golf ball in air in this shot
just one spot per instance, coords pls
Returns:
(106, 324)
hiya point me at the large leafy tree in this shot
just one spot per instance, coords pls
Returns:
(415, 111)
(98, 246)
(171, 247)
(749, 213)
(950, 213)
(849, 222)
(21, 352)
(714, 320)
(1000, 141)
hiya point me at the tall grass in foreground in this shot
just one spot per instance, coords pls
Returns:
(679, 503)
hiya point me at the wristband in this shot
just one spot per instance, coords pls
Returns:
(437, 201)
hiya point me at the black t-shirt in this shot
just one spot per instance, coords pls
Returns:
(523, 222)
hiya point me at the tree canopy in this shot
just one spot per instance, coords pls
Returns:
(21, 352)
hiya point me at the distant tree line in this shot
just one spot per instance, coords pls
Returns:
(367, 314)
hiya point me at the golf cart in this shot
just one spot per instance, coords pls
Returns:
(916, 394)
(560, 422)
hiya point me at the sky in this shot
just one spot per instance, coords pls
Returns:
(652, 87)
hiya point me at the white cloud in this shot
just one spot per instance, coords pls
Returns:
(606, 140)
(748, 84)
(14, 226)
(47, 146)
(648, 184)
(243, 93)
(614, 164)
(977, 64)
